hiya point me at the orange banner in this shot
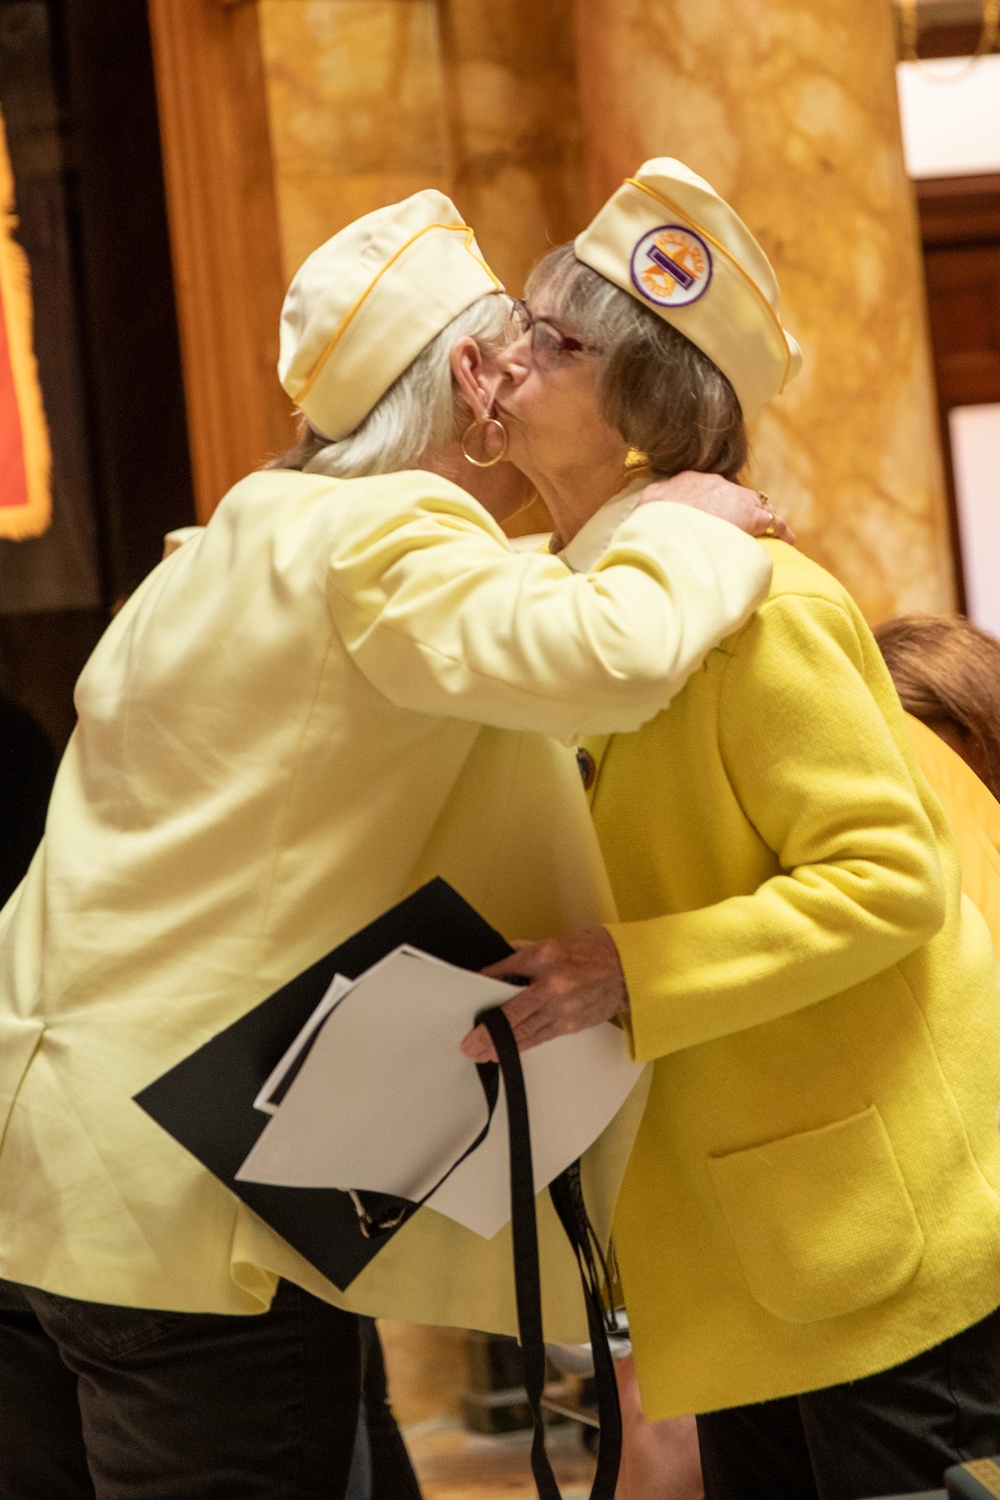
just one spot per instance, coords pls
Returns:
(25, 460)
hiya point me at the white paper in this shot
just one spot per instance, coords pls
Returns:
(975, 458)
(264, 1101)
(386, 1102)
(575, 1087)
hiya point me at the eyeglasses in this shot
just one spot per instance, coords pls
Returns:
(548, 342)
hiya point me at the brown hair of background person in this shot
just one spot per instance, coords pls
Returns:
(947, 673)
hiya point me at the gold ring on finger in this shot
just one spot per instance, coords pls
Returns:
(771, 529)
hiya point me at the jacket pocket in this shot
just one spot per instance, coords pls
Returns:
(822, 1221)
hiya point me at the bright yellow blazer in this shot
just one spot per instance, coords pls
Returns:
(333, 692)
(813, 1194)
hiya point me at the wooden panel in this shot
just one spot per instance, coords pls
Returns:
(964, 295)
(224, 236)
(960, 228)
(959, 210)
(948, 41)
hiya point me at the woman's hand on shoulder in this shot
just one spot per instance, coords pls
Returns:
(747, 509)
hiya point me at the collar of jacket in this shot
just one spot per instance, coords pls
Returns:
(594, 537)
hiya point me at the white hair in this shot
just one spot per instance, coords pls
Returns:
(417, 412)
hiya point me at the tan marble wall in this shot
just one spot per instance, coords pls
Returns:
(789, 109)
(356, 102)
(372, 99)
(516, 132)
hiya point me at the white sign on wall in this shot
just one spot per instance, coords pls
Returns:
(975, 450)
(950, 113)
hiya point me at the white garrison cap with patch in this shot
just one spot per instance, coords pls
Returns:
(364, 305)
(668, 239)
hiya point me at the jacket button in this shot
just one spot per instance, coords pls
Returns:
(588, 767)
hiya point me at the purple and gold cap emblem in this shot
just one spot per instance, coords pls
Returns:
(671, 266)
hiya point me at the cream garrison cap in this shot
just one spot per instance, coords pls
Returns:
(668, 238)
(364, 304)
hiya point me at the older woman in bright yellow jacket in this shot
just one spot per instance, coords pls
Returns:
(814, 1193)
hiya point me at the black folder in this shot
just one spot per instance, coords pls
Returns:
(206, 1101)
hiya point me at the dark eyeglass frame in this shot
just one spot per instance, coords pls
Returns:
(561, 343)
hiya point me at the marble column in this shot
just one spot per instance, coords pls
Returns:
(789, 110)
(515, 128)
(356, 102)
(372, 99)
(515, 136)
(369, 100)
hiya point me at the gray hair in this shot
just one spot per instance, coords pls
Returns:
(661, 392)
(420, 410)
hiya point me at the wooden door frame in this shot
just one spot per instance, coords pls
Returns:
(956, 213)
(225, 236)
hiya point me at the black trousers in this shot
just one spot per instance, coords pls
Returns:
(114, 1403)
(392, 1476)
(893, 1433)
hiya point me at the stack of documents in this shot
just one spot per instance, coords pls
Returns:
(375, 1095)
(351, 1073)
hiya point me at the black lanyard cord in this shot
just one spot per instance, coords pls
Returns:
(567, 1197)
(568, 1200)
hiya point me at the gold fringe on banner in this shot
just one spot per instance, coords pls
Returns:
(30, 514)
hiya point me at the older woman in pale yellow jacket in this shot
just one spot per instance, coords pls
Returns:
(809, 1226)
(340, 687)
(335, 690)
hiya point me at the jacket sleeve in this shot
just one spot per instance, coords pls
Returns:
(444, 617)
(817, 771)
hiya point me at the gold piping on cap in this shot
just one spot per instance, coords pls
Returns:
(675, 208)
(342, 327)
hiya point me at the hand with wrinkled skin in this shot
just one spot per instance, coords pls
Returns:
(576, 982)
(719, 497)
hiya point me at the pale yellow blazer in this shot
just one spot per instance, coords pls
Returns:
(814, 1193)
(334, 692)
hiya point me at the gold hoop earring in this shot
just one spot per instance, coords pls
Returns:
(485, 463)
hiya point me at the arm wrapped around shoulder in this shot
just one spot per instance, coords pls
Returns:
(443, 617)
(812, 743)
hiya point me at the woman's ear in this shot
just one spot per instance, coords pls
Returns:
(475, 377)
